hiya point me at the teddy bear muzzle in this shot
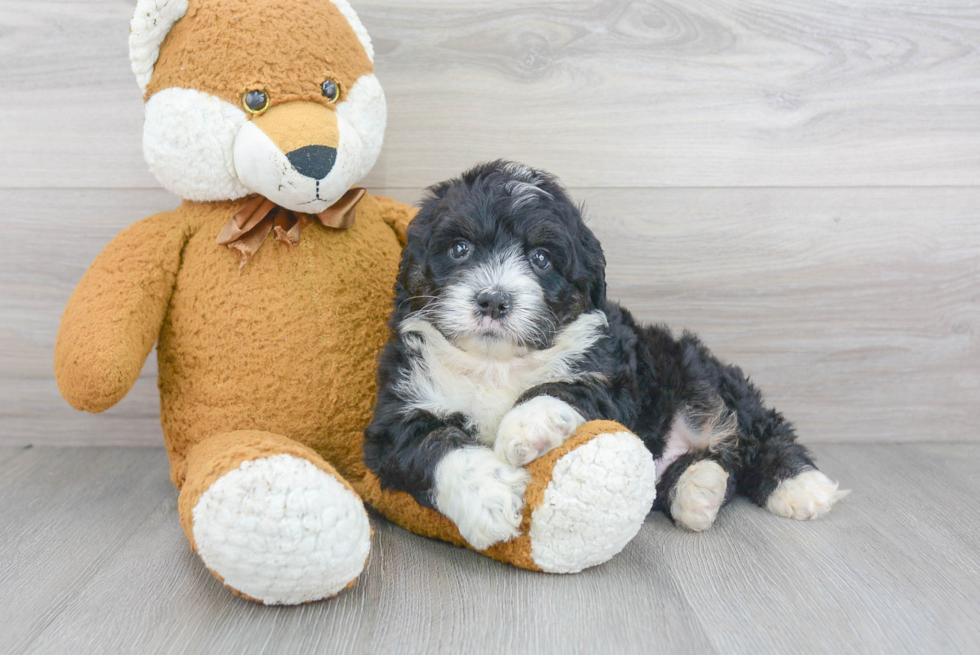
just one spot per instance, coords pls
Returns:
(289, 154)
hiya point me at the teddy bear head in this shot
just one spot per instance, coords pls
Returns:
(275, 97)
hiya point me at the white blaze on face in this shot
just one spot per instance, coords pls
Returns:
(456, 312)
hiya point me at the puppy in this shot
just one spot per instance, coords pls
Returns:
(503, 343)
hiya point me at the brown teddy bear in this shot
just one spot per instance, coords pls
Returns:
(267, 291)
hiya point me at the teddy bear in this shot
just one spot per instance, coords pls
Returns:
(267, 293)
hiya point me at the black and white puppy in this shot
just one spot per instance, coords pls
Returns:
(504, 343)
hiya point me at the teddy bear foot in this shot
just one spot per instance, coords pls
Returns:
(596, 501)
(279, 529)
(585, 501)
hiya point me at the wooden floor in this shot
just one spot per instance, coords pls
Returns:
(92, 560)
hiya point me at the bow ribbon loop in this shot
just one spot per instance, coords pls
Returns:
(248, 229)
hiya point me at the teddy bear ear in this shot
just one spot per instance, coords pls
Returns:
(356, 24)
(151, 23)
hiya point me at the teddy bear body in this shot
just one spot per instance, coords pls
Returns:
(288, 345)
(267, 293)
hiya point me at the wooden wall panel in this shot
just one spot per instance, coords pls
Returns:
(605, 93)
(856, 315)
(797, 181)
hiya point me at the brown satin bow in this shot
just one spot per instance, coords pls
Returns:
(247, 230)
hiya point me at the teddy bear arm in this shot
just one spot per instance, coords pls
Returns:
(397, 215)
(114, 316)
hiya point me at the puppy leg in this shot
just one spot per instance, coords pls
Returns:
(698, 494)
(483, 496)
(438, 461)
(784, 480)
(775, 471)
(781, 476)
(534, 427)
(694, 488)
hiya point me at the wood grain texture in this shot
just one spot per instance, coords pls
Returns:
(65, 513)
(604, 93)
(93, 560)
(855, 310)
(8, 453)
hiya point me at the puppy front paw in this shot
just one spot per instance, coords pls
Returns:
(533, 428)
(483, 496)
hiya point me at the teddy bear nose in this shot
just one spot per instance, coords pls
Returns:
(313, 161)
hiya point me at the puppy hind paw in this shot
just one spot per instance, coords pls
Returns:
(698, 494)
(483, 496)
(533, 428)
(806, 496)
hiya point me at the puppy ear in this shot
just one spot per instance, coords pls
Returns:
(593, 260)
(434, 193)
(152, 21)
(411, 281)
(590, 262)
(411, 277)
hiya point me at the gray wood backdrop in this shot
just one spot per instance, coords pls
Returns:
(798, 181)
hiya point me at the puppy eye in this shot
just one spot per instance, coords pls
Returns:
(330, 90)
(459, 250)
(540, 260)
(255, 101)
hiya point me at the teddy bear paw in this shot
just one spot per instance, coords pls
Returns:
(282, 531)
(598, 497)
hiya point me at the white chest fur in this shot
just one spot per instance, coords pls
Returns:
(444, 379)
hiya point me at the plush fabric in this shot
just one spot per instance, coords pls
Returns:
(402, 509)
(287, 49)
(267, 370)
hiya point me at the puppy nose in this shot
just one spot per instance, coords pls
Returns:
(494, 303)
(313, 161)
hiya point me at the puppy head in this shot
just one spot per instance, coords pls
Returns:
(275, 97)
(500, 259)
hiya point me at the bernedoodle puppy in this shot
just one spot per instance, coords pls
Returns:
(503, 343)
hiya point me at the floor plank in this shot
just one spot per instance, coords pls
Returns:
(63, 515)
(874, 579)
(610, 93)
(8, 453)
(895, 568)
(853, 309)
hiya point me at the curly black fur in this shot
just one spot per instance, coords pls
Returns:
(640, 375)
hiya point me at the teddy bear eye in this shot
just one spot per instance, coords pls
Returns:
(330, 90)
(255, 102)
